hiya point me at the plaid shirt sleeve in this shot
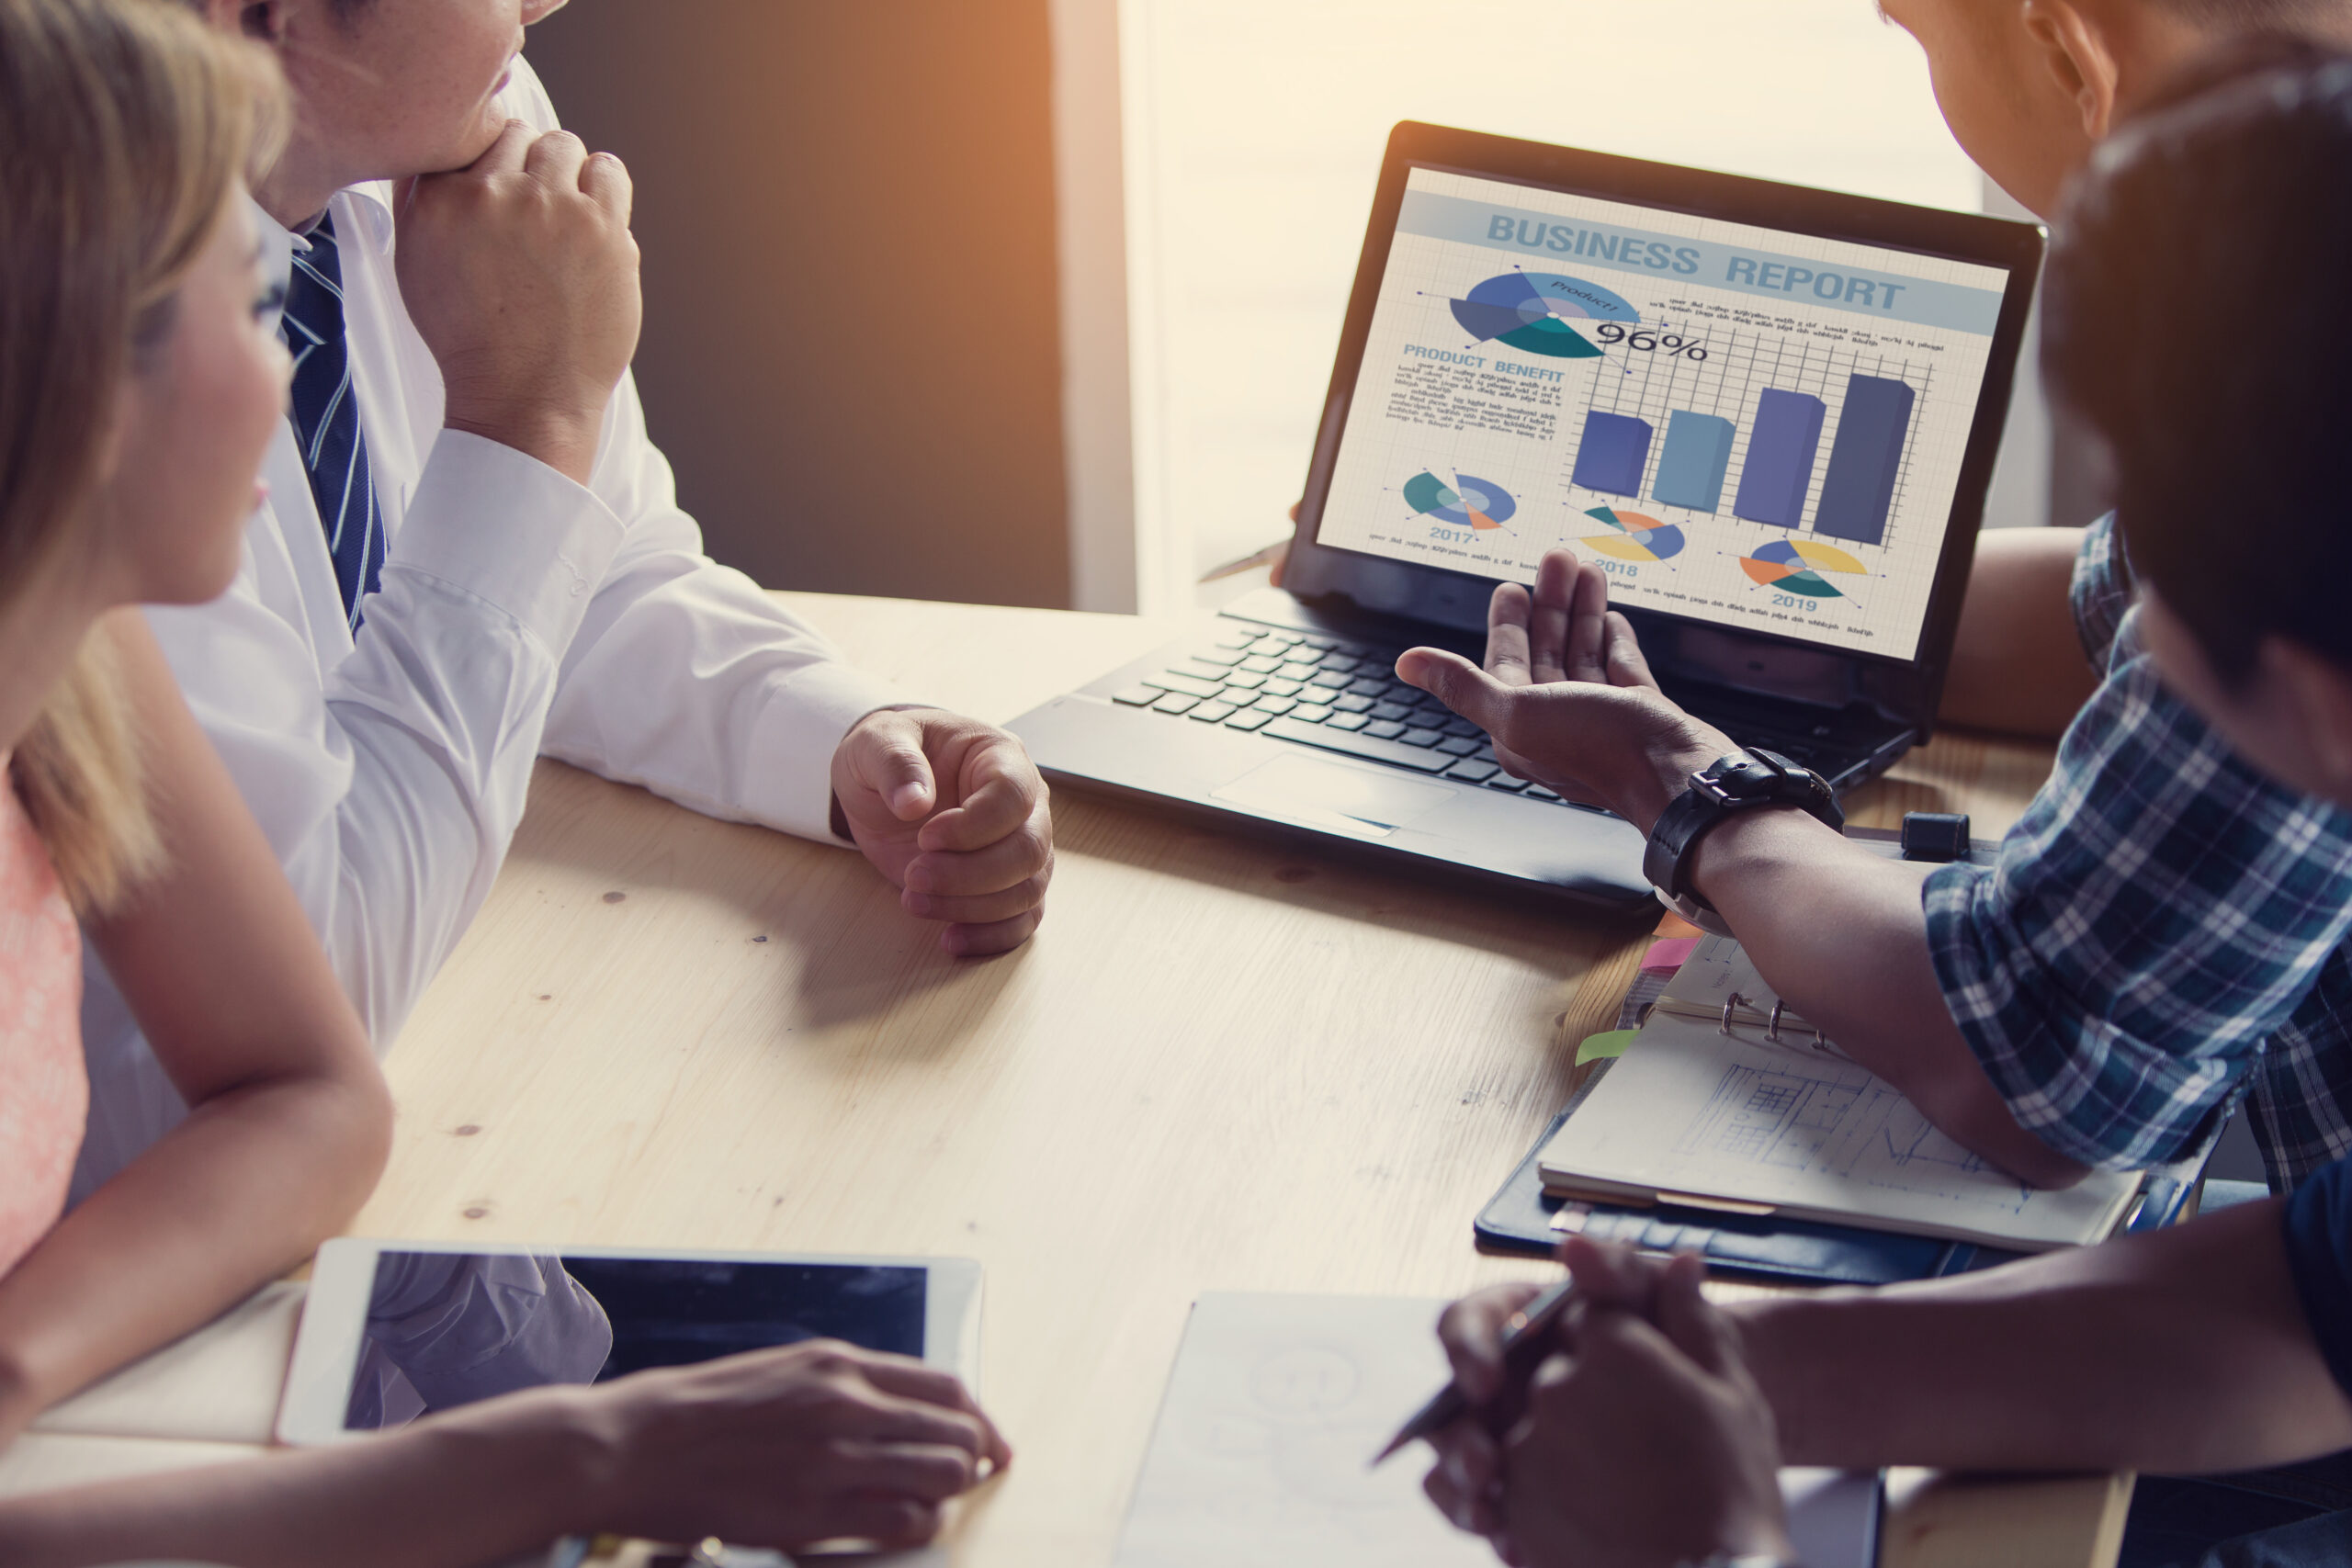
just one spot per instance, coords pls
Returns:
(2159, 912)
(2101, 592)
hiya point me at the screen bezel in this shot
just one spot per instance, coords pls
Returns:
(335, 1314)
(1905, 688)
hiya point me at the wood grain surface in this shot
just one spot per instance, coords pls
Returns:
(1221, 1065)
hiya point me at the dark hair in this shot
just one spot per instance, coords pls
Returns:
(2243, 14)
(2199, 314)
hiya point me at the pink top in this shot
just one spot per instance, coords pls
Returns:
(44, 1088)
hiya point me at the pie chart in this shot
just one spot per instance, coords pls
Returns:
(1531, 311)
(1638, 538)
(1795, 566)
(1466, 502)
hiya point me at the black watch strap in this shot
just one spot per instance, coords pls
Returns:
(1738, 780)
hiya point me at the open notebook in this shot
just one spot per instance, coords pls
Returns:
(1260, 1458)
(1709, 1109)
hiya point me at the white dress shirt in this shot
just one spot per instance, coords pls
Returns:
(520, 616)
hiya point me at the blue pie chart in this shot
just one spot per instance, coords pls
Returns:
(1531, 311)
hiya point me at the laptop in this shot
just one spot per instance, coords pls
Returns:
(1769, 413)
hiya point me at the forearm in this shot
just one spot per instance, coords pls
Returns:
(241, 1192)
(2017, 663)
(1839, 934)
(485, 1485)
(688, 680)
(2186, 1350)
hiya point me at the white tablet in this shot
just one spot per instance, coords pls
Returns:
(394, 1329)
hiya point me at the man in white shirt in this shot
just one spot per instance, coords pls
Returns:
(504, 571)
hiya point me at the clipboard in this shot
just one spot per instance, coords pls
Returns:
(1522, 1221)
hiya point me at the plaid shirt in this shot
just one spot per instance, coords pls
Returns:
(2163, 924)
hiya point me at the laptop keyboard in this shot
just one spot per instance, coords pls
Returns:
(1326, 691)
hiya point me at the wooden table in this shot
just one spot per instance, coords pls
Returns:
(1220, 1065)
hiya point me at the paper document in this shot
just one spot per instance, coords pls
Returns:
(1718, 982)
(219, 1385)
(1690, 1111)
(1261, 1455)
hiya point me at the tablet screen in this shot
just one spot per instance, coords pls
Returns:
(1747, 426)
(445, 1330)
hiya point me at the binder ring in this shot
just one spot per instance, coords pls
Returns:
(1729, 1002)
(1773, 1027)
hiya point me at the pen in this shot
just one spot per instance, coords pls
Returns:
(1522, 1337)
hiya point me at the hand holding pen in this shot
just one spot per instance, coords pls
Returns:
(1495, 1340)
(1624, 1429)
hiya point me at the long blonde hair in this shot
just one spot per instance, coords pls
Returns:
(124, 125)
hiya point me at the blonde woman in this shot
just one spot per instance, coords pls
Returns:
(139, 382)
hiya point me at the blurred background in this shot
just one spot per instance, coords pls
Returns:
(1033, 301)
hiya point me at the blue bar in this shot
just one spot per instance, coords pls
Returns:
(1779, 458)
(1858, 490)
(1698, 452)
(1616, 448)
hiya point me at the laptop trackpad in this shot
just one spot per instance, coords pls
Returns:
(1355, 801)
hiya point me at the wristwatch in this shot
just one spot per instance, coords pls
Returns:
(1740, 781)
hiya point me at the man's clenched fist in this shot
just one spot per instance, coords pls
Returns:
(521, 276)
(953, 812)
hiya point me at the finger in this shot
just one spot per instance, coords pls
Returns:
(1001, 792)
(1463, 1484)
(891, 1420)
(1621, 652)
(881, 1517)
(1610, 1273)
(1551, 622)
(1588, 625)
(555, 160)
(1691, 1322)
(1021, 855)
(982, 910)
(1507, 643)
(1480, 697)
(964, 940)
(605, 181)
(506, 155)
(931, 1471)
(1626, 1345)
(1471, 1332)
(886, 759)
(914, 1380)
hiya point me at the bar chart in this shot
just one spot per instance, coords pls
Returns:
(1857, 493)
(1789, 431)
(1779, 474)
(1615, 451)
(1698, 455)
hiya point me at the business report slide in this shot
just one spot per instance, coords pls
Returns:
(1751, 427)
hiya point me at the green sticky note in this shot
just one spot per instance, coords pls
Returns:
(1598, 1047)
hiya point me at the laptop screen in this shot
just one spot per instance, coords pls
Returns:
(1745, 427)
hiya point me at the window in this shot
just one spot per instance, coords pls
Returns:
(1254, 132)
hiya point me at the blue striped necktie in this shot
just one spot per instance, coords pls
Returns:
(326, 419)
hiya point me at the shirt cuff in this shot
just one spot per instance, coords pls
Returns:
(509, 530)
(788, 777)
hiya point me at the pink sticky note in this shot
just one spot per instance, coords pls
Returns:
(1665, 957)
